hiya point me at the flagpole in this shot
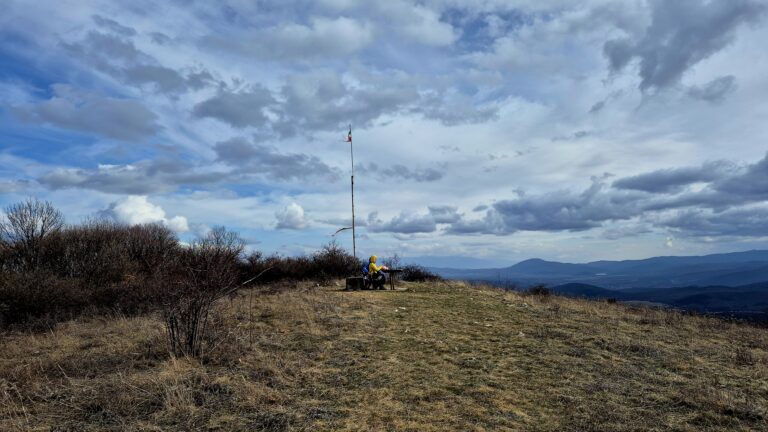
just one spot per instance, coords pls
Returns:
(352, 158)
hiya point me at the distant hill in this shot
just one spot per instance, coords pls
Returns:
(751, 299)
(729, 269)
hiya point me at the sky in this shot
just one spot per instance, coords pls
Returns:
(485, 132)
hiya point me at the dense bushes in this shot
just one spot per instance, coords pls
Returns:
(414, 273)
(50, 272)
(96, 267)
(328, 263)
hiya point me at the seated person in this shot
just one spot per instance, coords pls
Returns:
(375, 274)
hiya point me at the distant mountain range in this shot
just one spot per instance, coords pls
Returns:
(741, 300)
(729, 269)
(721, 283)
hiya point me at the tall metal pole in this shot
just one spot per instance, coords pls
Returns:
(352, 157)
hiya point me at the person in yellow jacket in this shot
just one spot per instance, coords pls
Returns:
(376, 275)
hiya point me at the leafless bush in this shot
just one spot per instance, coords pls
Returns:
(153, 247)
(207, 271)
(332, 261)
(94, 252)
(49, 272)
(539, 291)
(414, 273)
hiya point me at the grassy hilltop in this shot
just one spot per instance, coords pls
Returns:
(439, 356)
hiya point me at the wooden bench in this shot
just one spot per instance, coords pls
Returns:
(355, 283)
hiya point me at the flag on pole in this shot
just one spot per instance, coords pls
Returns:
(349, 135)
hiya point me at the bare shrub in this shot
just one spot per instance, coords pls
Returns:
(94, 252)
(49, 272)
(153, 247)
(539, 291)
(415, 273)
(332, 261)
(38, 299)
(207, 271)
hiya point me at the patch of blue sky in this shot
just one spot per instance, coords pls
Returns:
(253, 190)
(18, 67)
(476, 29)
(28, 65)
(41, 143)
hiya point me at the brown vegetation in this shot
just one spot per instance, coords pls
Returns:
(439, 356)
(50, 272)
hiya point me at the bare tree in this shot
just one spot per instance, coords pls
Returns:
(25, 227)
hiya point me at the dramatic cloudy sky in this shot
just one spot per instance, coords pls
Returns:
(495, 130)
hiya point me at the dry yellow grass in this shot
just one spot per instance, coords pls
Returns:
(436, 357)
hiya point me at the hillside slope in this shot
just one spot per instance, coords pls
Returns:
(437, 357)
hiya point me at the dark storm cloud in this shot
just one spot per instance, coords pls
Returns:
(558, 211)
(673, 180)
(681, 34)
(267, 162)
(747, 222)
(725, 206)
(751, 184)
(81, 111)
(714, 91)
(238, 109)
(444, 214)
(401, 172)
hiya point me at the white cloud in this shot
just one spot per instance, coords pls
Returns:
(424, 26)
(291, 217)
(136, 209)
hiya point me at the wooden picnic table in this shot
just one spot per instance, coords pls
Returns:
(392, 275)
